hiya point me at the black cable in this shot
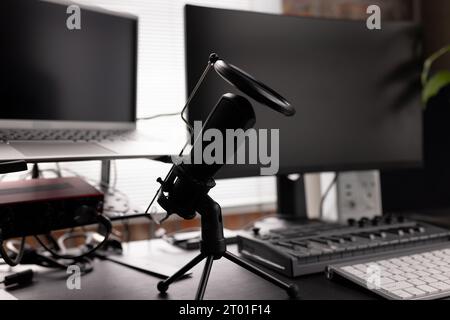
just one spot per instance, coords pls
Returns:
(325, 195)
(33, 256)
(19, 254)
(103, 220)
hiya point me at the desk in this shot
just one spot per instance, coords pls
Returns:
(109, 280)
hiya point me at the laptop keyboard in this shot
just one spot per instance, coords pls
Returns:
(67, 135)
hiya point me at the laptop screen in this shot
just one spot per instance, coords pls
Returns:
(52, 72)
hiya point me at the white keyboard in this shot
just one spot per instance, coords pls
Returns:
(420, 275)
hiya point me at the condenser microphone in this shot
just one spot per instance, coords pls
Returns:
(232, 112)
(182, 185)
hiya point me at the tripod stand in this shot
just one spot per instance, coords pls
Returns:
(213, 247)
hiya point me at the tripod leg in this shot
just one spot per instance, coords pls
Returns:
(164, 285)
(204, 279)
(291, 289)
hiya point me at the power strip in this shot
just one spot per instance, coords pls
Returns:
(358, 195)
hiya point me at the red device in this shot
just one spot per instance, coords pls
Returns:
(38, 206)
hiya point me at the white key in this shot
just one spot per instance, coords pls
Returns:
(418, 267)
(440, 285)
(428, 264)
(435, 258)
(402, 294)
(440, 254)
(428, 279)
(408, 269)
(393, 271)
(386, 264)
(422, 273)
(443, 269)
(436, 252)
(417, 282)
(386, 280)
(441, 263)
(440, 277)
(410, 275)
(427, 288)
(418, 257)
(398, 278)
(408, 260)
(397, 286)
(433, 271)
(398, 262)
(414, 291)
(361, 267)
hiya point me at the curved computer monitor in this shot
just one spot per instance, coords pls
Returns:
(356, 91)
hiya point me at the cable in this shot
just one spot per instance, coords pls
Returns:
(102, 219)
(190, 128)
(19, 278)
(19, 254)
(325, 195)
(33, 256)
(114, 165)
(159, 116)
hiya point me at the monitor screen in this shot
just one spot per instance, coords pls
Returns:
(356, 91)
(51, 72)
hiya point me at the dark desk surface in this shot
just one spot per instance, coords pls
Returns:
(109, 280)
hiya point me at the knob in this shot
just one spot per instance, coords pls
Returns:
(377, 221)
(255, 231)
(420, 229)
(363, 222)
(388, 219)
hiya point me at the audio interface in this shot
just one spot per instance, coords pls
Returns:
(38, 206)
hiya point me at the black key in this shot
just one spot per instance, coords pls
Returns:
(367, 235)
(285, 244)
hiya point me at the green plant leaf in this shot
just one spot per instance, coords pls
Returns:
(432, 87)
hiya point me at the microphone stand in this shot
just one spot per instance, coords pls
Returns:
(212, 246)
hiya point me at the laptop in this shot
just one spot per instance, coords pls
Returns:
(68, 93)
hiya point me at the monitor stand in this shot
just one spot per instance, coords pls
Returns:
(291, 197)
(291, 204)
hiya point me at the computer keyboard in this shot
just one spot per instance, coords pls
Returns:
(421, 274)
(300, 249)
(66, 135)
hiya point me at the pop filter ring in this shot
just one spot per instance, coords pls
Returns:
(253, 88)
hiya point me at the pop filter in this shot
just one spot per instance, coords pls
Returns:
(252, 87)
